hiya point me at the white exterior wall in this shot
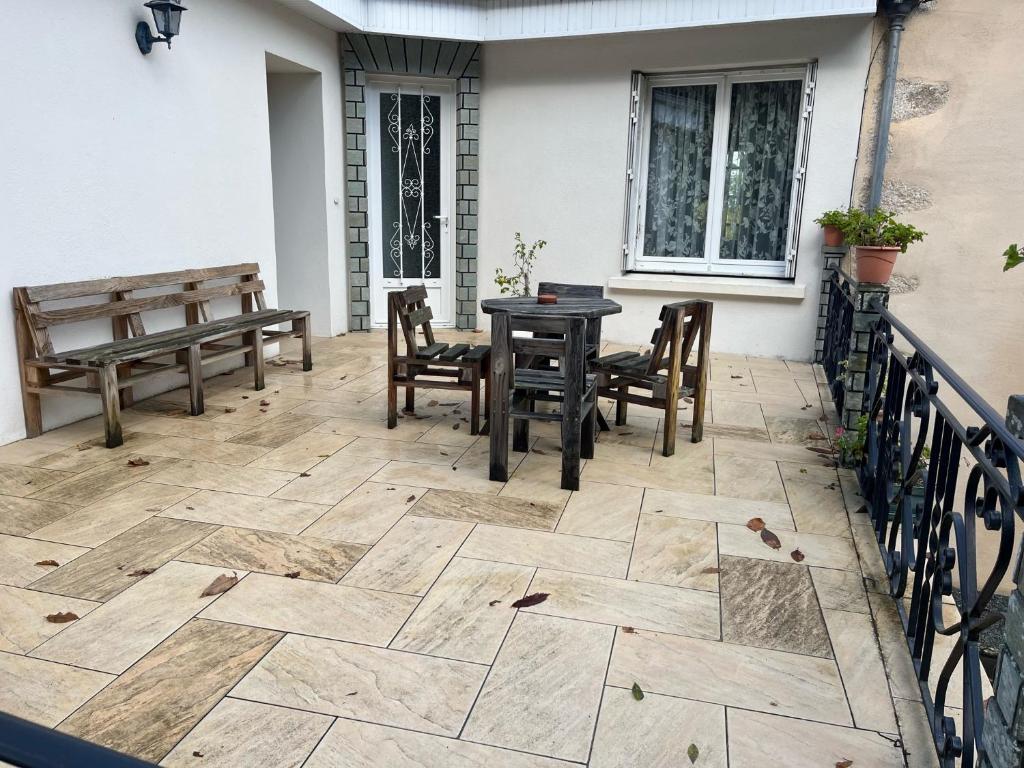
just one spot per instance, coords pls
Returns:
(118, 163)
(553, 162)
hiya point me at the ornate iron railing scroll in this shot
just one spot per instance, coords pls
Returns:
(838, 327)
(929, 544)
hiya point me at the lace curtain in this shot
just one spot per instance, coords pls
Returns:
(763, 126)
(679, 171)
(761, 144)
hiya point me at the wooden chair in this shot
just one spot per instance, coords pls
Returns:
(569, 385)
(433, 365)
(683, 325)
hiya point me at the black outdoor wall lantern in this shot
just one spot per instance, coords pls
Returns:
(167, 17)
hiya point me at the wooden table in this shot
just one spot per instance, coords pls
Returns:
(592, 309)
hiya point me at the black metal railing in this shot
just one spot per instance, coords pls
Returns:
(28, 745)
(933, 484)
(838, 326)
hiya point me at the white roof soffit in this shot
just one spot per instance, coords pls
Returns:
(487, 20)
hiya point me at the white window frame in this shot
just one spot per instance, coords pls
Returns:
(636, 178)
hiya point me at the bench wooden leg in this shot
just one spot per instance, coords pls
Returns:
(474, 400)
(256, 340)
(30, 377)
(111, 406)
(410, 392)
(307, 345)
(195, 381)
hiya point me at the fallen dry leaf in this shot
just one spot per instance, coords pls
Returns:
(61, 618)
(432, 404)
(638, 692)
(154, 509)
(797, 555)
(711, 569)
(141, 572)
(264, 403)
(52, 563)
(84, 447)
(189, 508)
(137, 461)
(455, 425)
(303, 474)
(844, 764)
(693, 753)
(229, 409)
(221, 584)
(535, 599)
(196, 753)
(755, 524)
(628, 631)
(263, 410)
(770, 539)
(539, 451)
(292, 574)
(245, 397)
(494, 603)
(735, 376)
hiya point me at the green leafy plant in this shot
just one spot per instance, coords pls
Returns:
(517, 282)
(1014, 257)
(834, 218)
(879, 229)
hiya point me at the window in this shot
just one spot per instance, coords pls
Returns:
(716, 171)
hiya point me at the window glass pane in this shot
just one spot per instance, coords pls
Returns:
(763, 125)
(679, 171)
(410, 176)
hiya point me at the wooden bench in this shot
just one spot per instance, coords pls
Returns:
(111, 369)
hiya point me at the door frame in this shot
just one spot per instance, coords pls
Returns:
(445, 89)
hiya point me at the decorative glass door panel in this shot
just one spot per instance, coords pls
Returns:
(410, 160)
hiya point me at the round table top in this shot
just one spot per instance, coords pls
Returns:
(589, 308)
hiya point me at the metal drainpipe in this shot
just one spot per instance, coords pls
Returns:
(898, 12)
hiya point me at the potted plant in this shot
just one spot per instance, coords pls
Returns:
(877, 238)
(831, 223)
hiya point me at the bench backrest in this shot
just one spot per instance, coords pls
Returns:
(114, 298)
(682, 323)
(408, 309)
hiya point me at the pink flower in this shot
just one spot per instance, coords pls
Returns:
(840, 431)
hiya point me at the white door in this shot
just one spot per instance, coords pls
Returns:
(410, 174)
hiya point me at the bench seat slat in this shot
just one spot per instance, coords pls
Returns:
(163, 342)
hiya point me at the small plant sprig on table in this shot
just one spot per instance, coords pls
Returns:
(879, 229)
(517, 282)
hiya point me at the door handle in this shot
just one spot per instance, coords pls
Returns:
(443, 220)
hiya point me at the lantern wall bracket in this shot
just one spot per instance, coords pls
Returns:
(144, 37)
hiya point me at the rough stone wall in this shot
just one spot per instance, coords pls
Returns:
(955, 170)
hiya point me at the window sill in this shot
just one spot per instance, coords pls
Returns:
(698, 285)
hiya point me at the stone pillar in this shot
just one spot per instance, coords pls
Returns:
(833, 257)
(864, 319)
(1004, 714)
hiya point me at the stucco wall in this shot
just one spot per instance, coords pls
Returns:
(553, 160)
(955, 170)
(116, 163)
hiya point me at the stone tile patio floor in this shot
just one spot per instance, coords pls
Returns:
(372, 624)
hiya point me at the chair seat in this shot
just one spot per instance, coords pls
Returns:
(550, 381)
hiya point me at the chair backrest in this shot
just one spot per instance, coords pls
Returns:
(114, 298)
(682, 324)
(570, 290)
(408, 310)
(563, 338)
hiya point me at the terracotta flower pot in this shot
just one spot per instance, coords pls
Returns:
(875, 263)
(833, 236)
